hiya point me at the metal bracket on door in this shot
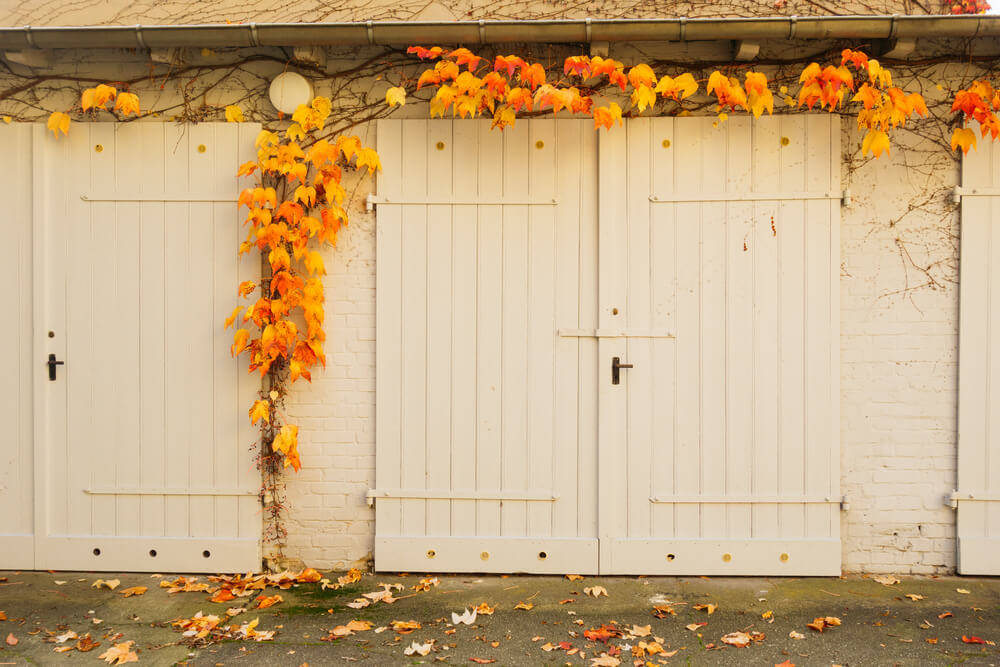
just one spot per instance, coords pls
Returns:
(183, 199)
(430, 494)
(957, 497)
(960, 192)
(751, 500)
(372, 200)
(708, 197)
(613, 333)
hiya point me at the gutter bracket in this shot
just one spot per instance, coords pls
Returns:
(314, 55)
(792, 27)
(845, 504)
(171, 56)
(744, 50)
(845, 198)
(370, 201)
(900, 49)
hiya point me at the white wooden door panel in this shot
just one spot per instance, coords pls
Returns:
(144, 448)
(719, 448)
(978, 495)
(17, 372)
(486, 416)
(709, 262)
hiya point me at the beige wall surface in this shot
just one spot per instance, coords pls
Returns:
(130, 12)
(899, 323)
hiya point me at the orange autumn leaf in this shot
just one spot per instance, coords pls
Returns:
(265, 601)
(222, 595)
(58, 122)
(127, 103)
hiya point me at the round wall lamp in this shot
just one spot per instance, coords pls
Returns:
(288, 90)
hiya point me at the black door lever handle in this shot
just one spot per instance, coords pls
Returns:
(52, 367)
(616, 366)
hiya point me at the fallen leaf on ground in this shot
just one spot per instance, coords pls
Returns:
(308, 576)
(962, 591)
(484, 609)
(222, 595)
(973, 640)
(786, 663)
(605, 660)
(426, 584)
(822, 622)
(738, 639)
(596, 591)
(946, 614)
(482, 661)
(524, 605)
(796, 635)
(467, 617)
(885, 579)
(914, 596)
(111, 584)
(265, 601)
(767, 615)
(663, 610)
(11, 640)
(405, 627)
(119, 654)
(418, 649)
(694, 626)
(134, 590)
(574, 577)
(710, 608)
(640, 630)
(931, 640)
(548, 646)
(86, 644)
(3, 616)
(65, 637)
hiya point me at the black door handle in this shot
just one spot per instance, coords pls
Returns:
(616, 366)
(52, 367)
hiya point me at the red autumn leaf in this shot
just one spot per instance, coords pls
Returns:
(973, 640)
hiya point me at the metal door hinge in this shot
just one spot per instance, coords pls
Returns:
(955, 497)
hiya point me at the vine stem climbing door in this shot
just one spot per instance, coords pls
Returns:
(610, 353)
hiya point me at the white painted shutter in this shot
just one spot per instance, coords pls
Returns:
(978, 495)
(719, 450)
(143, 441)
(486, 416)
(16, 367)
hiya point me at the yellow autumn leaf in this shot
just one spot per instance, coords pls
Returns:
(134, 590)
(7, 119)
(260, 410)
(58, 122)
(314, 263)
(127, 103)
(876, 142)
(963, 138)
(234, 114)
(395, 95)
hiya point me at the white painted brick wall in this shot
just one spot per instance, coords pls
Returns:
(898, 386)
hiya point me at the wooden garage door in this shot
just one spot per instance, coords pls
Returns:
(712, 273)
(719, 257)
(142, 443)
(977, 498)
(486, 418)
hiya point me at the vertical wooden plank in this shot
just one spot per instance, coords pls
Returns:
(489, 351)
(687, 460)
(17, 367)
(791, 261)
(202, 320)
(567, 232)
(440, 446)
(541, 328)
(612, 300)
(741, 402)
(152, 330)
(636, 313)
(70, 454)
(590, 375)
(766, 143)
(389, 331)
(248, 384)
(126, 150)
(227, 411)
(976, 356)
(820, 431)
(663, 286)
(465, 185)
(514, 431)
(414, 377)
(177, 283)
(716, 238)
(104, 431)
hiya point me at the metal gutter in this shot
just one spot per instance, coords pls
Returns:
(401, 33)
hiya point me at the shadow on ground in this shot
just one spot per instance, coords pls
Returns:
(880, 624)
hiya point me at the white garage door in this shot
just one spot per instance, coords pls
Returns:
(504, 442)
(141, 448)
(977, 498)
